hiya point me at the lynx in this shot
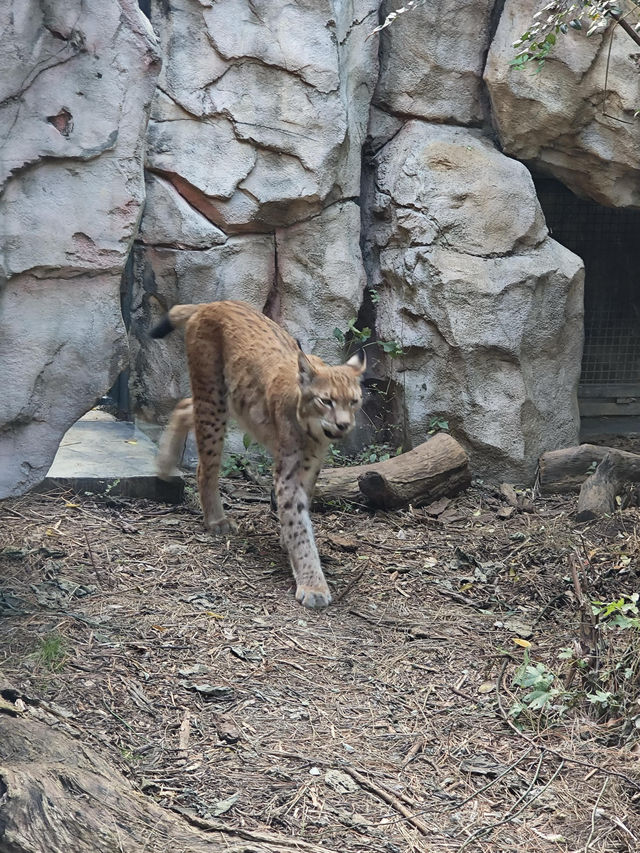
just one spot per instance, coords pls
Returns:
(244, 365)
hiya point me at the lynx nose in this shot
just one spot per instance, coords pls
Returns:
(343, 425)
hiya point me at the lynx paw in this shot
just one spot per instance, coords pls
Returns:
(164, 468)
(221, 527)
(314, 597)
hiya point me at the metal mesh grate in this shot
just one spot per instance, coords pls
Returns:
(608, 241)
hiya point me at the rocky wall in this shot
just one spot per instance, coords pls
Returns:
(253, 165)
(575, 120)
(76, 82)
(320, 173)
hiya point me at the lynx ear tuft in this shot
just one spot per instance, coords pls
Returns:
(307, 373)
(358, 362)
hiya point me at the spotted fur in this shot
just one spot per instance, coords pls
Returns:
(244, 365)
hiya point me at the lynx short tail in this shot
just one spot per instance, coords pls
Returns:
(174, 319)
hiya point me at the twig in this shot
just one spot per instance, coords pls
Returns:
(514, 764)
(511, 814)
(398, 624)
(93, 562)
(388, 798)
(415, 749)
(593, 816)
(350, 585)
(282, 842)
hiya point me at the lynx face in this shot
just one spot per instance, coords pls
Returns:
(330, 397)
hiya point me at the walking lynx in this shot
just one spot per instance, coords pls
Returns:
(244, 365)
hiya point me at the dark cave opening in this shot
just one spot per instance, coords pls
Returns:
(607, 240)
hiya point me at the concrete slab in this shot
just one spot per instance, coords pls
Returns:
(102, 455)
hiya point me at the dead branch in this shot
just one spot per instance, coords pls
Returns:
(437, 468)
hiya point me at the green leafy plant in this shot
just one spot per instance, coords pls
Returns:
(255, 460)
(52, 652)
(437, 424)
(360, 335)
(559, 16)
(621, 613)
(367, 456)
(392, 348)
(363, 336)
(546, 694)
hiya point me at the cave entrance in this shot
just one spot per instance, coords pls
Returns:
(608, 241)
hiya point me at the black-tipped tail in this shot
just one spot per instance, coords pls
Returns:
(162, 329)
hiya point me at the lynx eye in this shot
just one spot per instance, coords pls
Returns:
(326, 401)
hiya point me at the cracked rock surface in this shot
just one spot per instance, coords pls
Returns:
(76, 84)
(324, 176)
(487, 307)
(575, 120)
(254, 141)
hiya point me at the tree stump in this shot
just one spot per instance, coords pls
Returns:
(437, 468)
(565, 470)
(58, 796)
(598, 492)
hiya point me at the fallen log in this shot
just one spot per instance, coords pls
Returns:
(437, 468)
(598, 492)
(59, 796)
(565, 470)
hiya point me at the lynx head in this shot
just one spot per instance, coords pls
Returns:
(330, 396)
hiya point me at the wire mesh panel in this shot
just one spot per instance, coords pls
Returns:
(608, 241)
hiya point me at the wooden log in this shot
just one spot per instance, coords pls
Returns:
(565, 470)
(598, 492)
(59, 796)
(437, 468)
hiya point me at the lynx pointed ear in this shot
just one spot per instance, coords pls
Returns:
(358, 362)
(307, 373)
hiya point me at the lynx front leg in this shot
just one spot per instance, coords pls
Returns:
(297, 536)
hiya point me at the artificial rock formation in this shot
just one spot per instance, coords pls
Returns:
(282, 139)
(487, 308)
(575, 119)
(253, 163)
(76, 83)
(432, 61)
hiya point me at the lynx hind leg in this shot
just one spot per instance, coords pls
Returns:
(210, 413)
(210, 426)
(172, 441)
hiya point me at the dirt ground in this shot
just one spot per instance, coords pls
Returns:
(381, 724)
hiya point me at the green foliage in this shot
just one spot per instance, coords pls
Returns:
(392, 348)
(621, 613)
(367, 456)
(557, 17)
(609, 672)
(52, 652)
(254, 461)
(546, 695)
(437, 424)
(362, 336)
